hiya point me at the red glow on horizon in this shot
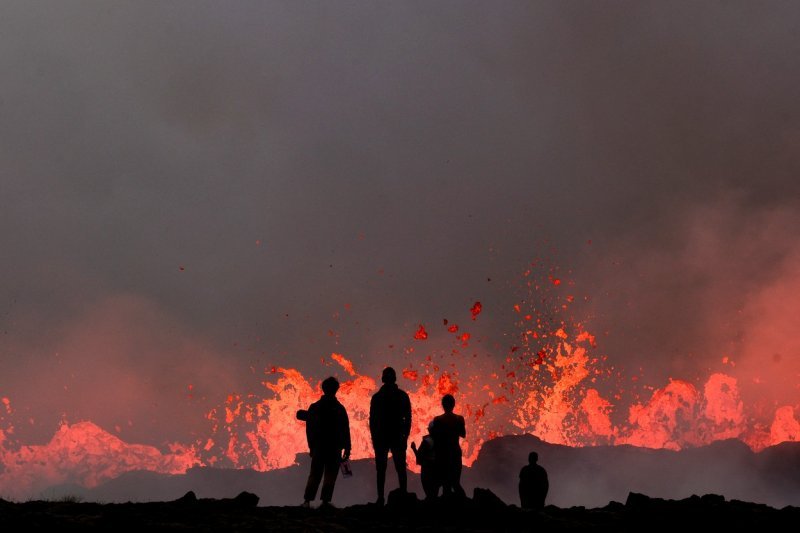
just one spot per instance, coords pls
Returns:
(550, 382)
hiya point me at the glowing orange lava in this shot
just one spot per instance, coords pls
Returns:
(548, 385)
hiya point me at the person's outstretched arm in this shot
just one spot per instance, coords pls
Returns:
(415, 450)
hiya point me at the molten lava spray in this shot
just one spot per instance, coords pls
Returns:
(551, 383)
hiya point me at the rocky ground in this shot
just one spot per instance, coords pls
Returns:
(589, 476)
(483, 512)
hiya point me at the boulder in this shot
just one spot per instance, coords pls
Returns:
(487, 500)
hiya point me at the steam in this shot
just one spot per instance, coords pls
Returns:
(717, 295)
(123, 364)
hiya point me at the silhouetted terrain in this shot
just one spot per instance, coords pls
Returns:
(590, 477)
(484, 512)
(593, 476)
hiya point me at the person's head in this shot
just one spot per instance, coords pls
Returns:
(448, 403)
(533, 457)
(389, 375)
(330, 386)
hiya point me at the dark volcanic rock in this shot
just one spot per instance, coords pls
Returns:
(487, 500)
(637, 501)
(402, 500)
(485, 512)
(578, 476)
(246, 499)
(187, 498)
(592, 476)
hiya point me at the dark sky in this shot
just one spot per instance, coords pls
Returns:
(177, 178)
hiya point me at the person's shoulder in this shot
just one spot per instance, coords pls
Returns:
(376, 400)
(402, 395)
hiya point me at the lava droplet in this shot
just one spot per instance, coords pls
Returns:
(476, 309)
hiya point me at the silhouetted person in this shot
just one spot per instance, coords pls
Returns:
(426, 459)
(389, 426)
(328, 434)
(533, 484)
(446, 429)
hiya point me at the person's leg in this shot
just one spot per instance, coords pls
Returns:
(381, 460)
(436, 481)
(429, 482)
(459, 490)
(314, 477)
(443, 470)
(399, 459)
(331, 472)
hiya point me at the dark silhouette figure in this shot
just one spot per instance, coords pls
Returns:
(426, 459)
(533, 484)
(389, 426)
(446, 429)
(328, 434)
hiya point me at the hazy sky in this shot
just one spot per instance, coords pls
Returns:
(191, 189)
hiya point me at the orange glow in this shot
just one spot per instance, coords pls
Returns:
(347, 365)
(86, 454)
(548, 380)
(413, 375)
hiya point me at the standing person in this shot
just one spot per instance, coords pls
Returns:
(446, 429)
(533, 484)
(426, 459)
(328, 434)
(389, 426)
